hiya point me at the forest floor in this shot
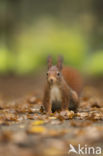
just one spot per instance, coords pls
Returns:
(26, 131)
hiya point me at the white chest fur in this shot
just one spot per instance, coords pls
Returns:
(55, 94)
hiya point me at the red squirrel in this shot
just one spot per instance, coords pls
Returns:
(63, 87)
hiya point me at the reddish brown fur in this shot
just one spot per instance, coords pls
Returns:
(68, 82)
(73, 78)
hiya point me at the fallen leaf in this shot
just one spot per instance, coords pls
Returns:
(38, 122)
(52, 118)
(37, 130)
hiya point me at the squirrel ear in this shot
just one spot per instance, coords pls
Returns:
(49, 61)
(60, 62)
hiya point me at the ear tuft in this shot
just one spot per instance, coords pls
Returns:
(49, 61)
(60, 62)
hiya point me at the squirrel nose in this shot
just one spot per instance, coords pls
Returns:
(51, 80)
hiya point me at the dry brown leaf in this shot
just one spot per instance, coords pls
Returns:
(57, 132)
(67, 114)
(80, 124)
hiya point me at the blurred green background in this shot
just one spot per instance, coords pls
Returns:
(30, 30)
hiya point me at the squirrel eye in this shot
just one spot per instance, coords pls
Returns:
(47, 73)
(58, 73)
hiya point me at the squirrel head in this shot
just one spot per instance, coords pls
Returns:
(54, 74)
